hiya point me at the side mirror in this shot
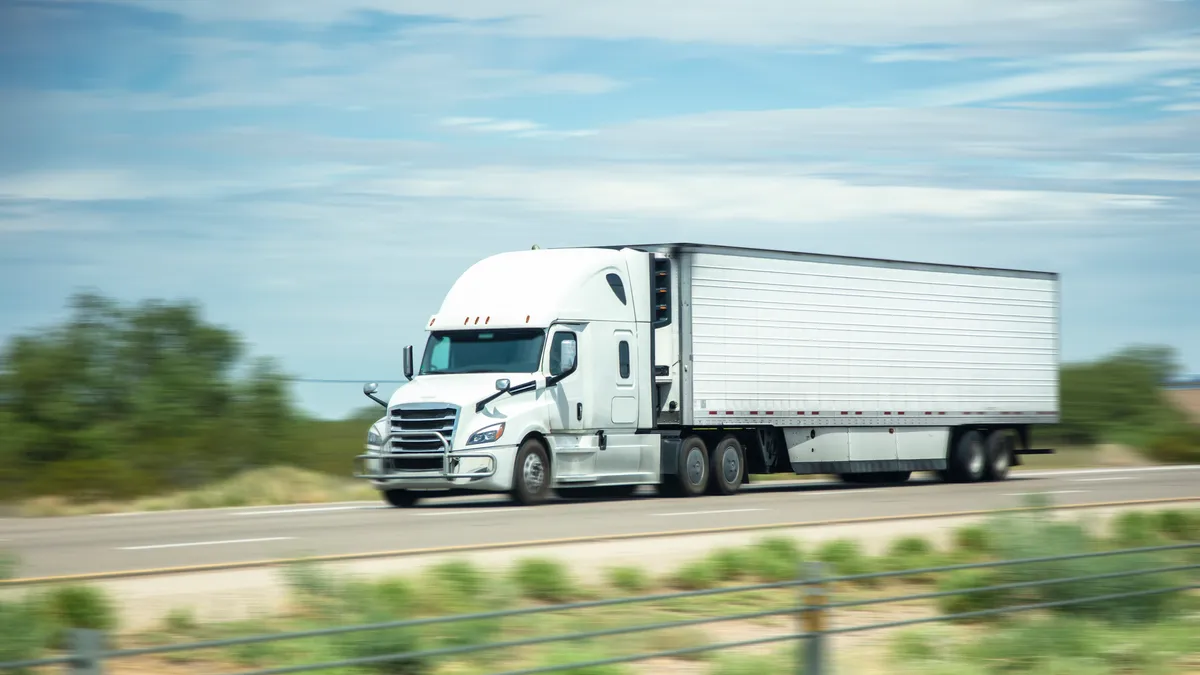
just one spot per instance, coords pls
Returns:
(503, 384)
(408, 362)
(369, 390)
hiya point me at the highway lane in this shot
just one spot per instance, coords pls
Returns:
(110, 543)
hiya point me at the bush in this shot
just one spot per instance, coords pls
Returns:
(731, 564)
(82, 607)
(1029, 536)
(1135, 529)
(967, 599)
(697, 575)
(911, 553)
(845, 557)
(1178, 446)
(1179, 525)
(544, 580)
(629, 579)
(974, 540)
(566, 654)
(774, 559)
(24, 631)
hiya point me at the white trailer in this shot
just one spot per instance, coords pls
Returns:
(690, 367)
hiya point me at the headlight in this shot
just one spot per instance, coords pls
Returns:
(487, 434)
(373, 438)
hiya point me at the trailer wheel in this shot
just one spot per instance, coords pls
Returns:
(727, 466)
(968, 462)
(401, 499)
(1000, 446)
(531, 474)
(692, 472)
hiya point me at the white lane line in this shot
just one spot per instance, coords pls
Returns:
(201, 543)
(1086, 472)
(1100, 480)
(466, 512)
(707, 513)
(1047, 492)
(315, 509)
(218, 509)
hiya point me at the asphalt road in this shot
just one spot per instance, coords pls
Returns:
(123, 542)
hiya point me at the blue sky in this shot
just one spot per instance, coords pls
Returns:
(317, 173)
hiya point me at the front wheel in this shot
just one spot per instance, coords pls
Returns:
(531, 474)
(691, 472)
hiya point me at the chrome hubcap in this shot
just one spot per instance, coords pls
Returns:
(730, 465)
(695, 466)
(533, 473)
(975, 463)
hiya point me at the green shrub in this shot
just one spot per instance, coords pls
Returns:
(24, 630)
(82, 607)
(695, 576)
(911, 553)
(629, 579)
(1134, 529)
(565, 654)
(543, 579)
(1026, 536)
(8, 565)
(975, 540)
(731, 564)
(845, 557)
(967, 599)
(1179, 525)
(1180, 445)
(926, 643)
(381, 643)
(774, 559)
(180, 622)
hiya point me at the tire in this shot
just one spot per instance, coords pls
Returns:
(727, 467)
(968, 461)
(531, 474)
(1000, 445)
(692, 470)
(401, 499)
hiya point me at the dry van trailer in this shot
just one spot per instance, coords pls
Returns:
(869, 369)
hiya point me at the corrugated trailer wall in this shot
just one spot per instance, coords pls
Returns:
(787, 338)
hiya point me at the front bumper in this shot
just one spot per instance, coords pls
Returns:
(485, 469)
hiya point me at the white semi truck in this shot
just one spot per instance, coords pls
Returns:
(689, 367)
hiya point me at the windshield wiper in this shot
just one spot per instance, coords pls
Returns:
(519, 389)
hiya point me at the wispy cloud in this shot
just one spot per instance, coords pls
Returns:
(520, 128)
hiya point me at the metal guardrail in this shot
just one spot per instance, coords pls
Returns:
(88, 654)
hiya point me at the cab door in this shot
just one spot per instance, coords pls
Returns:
(574, 450)
(622, 455)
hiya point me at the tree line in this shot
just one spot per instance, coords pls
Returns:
(121, 401)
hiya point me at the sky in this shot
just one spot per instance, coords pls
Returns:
(316, 174)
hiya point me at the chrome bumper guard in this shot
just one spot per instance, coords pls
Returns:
(448, 459)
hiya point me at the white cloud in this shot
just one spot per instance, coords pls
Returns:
(777, 195)
(1002, 27)
(521, 128)
(1072, 72)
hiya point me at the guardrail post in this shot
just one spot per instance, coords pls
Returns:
(813, 621)
(86, 648)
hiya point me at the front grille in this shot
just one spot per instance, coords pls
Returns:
(416, 419)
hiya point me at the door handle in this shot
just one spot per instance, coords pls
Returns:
(579, 412)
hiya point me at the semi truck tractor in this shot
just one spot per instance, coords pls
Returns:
(595, 370)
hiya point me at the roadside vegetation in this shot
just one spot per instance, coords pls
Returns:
(1149, 634)
(175, 412)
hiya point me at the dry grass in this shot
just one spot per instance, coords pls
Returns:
(260, 487)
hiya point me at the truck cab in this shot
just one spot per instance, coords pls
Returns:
(536, 375)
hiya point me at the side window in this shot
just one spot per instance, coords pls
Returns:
(623, 359)
(563, 353)
(618, 288)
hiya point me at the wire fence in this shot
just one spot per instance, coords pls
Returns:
(88, 653)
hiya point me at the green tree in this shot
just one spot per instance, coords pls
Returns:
(122, 401)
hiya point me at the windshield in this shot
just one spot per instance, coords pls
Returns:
(496, 351)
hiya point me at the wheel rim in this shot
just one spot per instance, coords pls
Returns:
(975, 459)
(695, 466)
(534, 473)
(730, 466)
